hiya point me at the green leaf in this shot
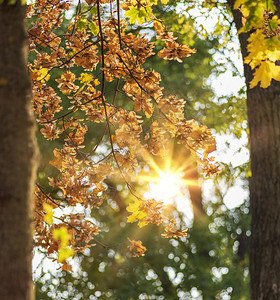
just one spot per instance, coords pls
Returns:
(93, 10)
(94, 29)
(270, 5)
(274, 23)
(82, 23)
(140, 15)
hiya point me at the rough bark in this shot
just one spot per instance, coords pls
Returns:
(263, 106)
(17, 167)
(264, 125)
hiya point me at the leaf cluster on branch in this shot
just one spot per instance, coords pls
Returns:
(264, 44)
(78, 75)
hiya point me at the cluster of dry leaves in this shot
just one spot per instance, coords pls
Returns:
(75, 61)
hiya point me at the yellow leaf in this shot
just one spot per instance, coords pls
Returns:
(238, 3)
(164, 1)
(142, 223)
(48, 217)
(260, 48)
(62, 235)
(64, 253)
(265, 73)
(132, 207)
(137, 214)
(42, 74)
(85, 78)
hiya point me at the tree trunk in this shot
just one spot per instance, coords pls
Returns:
(195, 194)
(264, 125)
(263, 107)
(17, 152)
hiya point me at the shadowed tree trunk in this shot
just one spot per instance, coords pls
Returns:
(191, 175)
(17, 168)
(263, 107)
(195, 194)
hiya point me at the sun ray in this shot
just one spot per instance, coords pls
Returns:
(167, 179)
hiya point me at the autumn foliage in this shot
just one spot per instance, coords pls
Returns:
(83, 65)
(264, 43)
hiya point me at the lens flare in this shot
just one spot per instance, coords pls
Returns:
(167, 179)
(166, 186)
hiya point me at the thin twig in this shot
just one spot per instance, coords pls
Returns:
(53, 201)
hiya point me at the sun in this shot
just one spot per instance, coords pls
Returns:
(166, 186)
(171, 188)
(167, 180)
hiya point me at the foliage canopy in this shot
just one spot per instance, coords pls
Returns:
(89, 71)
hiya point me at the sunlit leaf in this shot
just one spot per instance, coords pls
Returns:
(48, 217)
(265, 73)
